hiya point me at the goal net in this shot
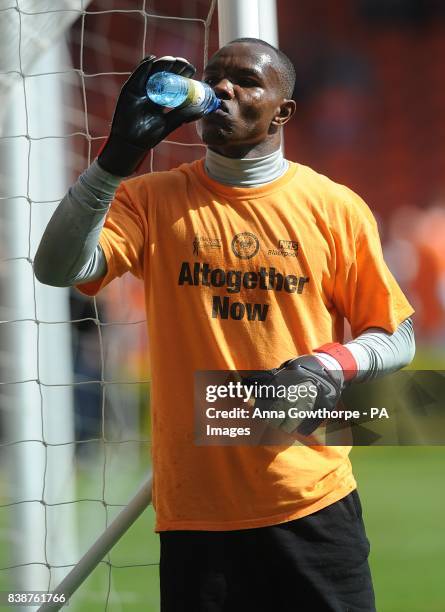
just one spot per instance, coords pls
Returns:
(74, 383)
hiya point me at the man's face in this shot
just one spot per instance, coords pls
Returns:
(244, 77)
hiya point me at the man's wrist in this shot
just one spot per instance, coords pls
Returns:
(95, 189)
(336, 357)
(101, 180)
(120, 157)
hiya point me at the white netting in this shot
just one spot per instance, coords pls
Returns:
(74, 435)
(29, 28)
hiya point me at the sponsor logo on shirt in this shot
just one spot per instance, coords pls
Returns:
(205, 242)
(245, 245)
(286, 248)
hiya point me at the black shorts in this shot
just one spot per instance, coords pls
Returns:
(318, 563)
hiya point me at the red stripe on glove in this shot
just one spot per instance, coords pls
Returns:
(344, 357)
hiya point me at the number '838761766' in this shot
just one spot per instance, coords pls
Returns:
(32, 598)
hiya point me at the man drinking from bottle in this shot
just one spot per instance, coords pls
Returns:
(242, 528)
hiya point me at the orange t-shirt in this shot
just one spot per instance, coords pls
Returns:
(312, 251)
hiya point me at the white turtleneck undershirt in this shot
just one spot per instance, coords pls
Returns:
(246, 172)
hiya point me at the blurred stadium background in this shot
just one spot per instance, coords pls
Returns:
(370, 97)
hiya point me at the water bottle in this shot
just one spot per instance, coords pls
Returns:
(171, 90)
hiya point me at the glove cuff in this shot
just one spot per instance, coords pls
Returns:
(120, 157)
(343, 356)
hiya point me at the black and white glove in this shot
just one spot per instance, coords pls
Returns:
(138, 124)
(318, 388)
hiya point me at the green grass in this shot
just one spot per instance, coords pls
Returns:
(403, 496)
(132, 588)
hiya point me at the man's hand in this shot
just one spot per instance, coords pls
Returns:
(139, 124)
(318, 388)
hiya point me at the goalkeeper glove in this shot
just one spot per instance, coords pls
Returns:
(138, 124)
(323, 389)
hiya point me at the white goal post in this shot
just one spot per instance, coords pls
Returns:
(249, 18)
(35, 389)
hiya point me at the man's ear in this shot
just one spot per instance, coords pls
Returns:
(285, 111)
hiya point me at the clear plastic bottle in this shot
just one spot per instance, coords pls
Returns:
(171, 90)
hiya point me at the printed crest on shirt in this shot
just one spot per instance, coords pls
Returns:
(245, 245)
